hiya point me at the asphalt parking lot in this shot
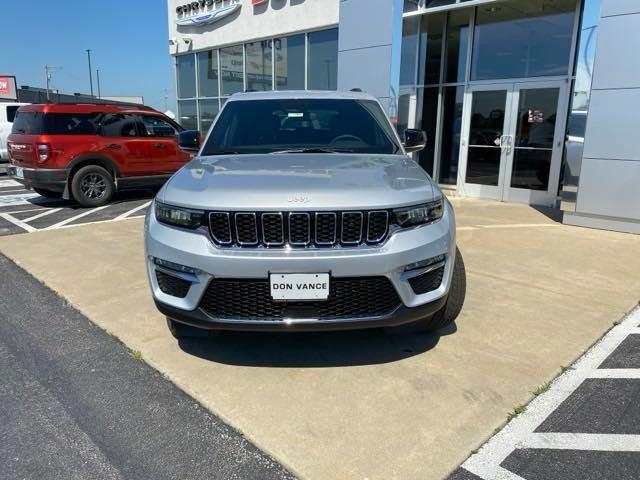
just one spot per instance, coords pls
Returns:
(76, 404)
(584, 426)
(369, 404)
(24, 211)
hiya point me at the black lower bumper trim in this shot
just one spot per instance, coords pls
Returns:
(403, 315)
(52, 179)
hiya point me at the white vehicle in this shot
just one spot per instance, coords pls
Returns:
(7, 114)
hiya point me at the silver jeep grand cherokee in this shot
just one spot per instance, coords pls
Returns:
(302, 211)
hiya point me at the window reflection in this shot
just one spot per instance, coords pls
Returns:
(539, 34)
(186, 73)
(208, 113)
(457, 46)
(259, 69)
(289, 55)
(232, 69)
(430, 53)
(409, 50)
(187, 114)
(428, 122)
(323, 60)
(451, 130)
(208, 73)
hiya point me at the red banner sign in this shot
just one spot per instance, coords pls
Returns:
(5, 85)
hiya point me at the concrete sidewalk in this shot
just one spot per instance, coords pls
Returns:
(366, 404)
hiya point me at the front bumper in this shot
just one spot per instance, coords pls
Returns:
(52, 179)
(195, 249)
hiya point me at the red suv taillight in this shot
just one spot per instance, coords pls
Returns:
(44, 152)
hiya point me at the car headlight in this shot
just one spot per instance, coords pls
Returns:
(419, 214)
(178, 216)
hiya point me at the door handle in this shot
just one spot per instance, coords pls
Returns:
(509, 143)
(159, 145)
(114, 146)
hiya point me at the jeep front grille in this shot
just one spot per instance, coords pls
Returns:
(349, 298)
(299, 229)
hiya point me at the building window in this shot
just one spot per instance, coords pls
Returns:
(186, 73)
(457, 46)
(188, 114)
(409, 52)
(209, 109)
(208, 73)
(452, 101)
(323, 60)
(259, 67)
(539, 34)
(428, 122)
(232, 69)
(430, 51)
(289, 53)
(206, 79)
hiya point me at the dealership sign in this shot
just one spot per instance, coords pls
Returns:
(8, 90)
(204, 12)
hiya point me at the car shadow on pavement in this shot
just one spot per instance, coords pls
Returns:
(309, 350)
(119, 197)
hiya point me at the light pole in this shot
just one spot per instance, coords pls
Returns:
(88, 50)
(47, 76)
(98, 78)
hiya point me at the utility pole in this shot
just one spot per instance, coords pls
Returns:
(88, 50)
(48, 69)
(98, 78)
(166, 97)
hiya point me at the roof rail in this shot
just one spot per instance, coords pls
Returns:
(106, 102)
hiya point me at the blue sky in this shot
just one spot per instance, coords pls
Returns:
(128, 39)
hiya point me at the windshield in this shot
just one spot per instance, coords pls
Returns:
(313, 125)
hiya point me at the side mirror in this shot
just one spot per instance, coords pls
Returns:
(189, 140)
(414, 140)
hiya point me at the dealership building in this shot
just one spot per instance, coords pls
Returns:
(522, 100)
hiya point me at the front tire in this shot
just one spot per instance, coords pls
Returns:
(455, 300)
(92, 186)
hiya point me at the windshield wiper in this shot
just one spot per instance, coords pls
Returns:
(315, 150)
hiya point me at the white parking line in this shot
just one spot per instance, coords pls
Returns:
(9, 183)
(19, 223)
(100, 221)
(132, 211)
(43, 214)
(520, 432)
(69, 220)
(583, 441)
(13, 200)
(13, 190)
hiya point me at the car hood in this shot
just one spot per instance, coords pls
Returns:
(299, 181)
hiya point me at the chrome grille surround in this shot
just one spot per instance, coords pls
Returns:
(292, 221)
(331, 228)
(220, 228)
(270, 223)
(372, 218)
(280, 229)
(247, 222)
(351, 222)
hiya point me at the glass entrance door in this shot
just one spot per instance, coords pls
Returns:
(512, 143)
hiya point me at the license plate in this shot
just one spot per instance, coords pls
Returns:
(299, 286)
(19, 172)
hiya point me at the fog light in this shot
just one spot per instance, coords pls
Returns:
(173, 266)
(424, 263)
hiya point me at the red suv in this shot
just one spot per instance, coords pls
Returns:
(88, 151)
